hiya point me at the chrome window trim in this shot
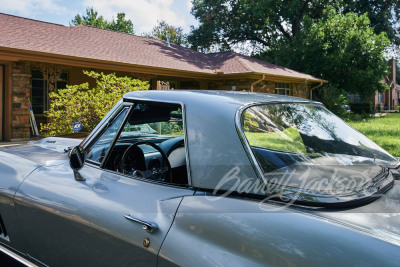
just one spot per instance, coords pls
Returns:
(99, 129)
(128, 113)
(15, 256)
(104, 128)
(136, 101)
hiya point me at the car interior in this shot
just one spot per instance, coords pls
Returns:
(150, 144)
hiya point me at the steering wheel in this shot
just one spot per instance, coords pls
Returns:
(133, 162)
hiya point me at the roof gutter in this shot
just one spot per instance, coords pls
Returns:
(254, 83)
(315, 87)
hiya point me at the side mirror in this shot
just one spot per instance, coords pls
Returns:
(76, 158)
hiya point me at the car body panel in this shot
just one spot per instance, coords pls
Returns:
(380, 218)
(235, 232)
(87, 221)
(47, 151)
(14, 170)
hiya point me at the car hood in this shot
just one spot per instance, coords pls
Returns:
(47, 151)
(380, 218)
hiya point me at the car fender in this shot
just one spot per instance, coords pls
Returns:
(212, 231)
(13, 171)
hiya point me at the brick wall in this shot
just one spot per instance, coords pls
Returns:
(21, 92)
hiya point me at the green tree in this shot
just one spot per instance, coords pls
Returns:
(226, 23)
(161, 30)
(92, 18)
(383, 14)
(341, 48)
(121, 24)
(87, 105)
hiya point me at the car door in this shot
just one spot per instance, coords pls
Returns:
(98, 216)
(81, 223)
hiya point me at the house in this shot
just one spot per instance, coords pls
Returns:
(391, 97)
(37, 57)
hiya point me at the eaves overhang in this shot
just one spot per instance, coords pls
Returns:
(15, 54)
(272, 77)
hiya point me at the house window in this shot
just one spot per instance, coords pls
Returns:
(357, 98)
(39, 93)
(380, 98)
(282, 89)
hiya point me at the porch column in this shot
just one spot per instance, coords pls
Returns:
(21, 100)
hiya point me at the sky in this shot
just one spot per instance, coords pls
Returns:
(143, 13)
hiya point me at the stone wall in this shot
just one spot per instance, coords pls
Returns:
(21, 92)
(300, 90)
(236, 85)
(266, 87)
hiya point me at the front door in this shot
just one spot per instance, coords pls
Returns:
(83, 223)
(117, 209)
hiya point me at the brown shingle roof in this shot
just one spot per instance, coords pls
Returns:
(92, 43)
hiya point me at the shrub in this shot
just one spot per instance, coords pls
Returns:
(362, 107)
(87, 105)
(333, 98)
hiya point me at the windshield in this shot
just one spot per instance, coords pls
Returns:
(306, 146)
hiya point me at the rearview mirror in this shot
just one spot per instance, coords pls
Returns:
(76, 158)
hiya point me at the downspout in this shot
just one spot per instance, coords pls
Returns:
(254, 83)
(315, 87)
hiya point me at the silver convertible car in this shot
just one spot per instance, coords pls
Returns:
(203, 178)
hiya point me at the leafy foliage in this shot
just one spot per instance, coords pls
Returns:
(225, 23)
(87, 105)
(384, 15)
(333, 98)
(92, 18)
(333, 40)
(341, 48)
(161, 30)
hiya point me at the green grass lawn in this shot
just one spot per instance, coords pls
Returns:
(384, 131)
(288, 140)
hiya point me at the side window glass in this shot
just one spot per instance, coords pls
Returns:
(151, 145)
(98, 150)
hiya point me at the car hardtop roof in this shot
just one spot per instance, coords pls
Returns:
(212, 140)
(207, 97)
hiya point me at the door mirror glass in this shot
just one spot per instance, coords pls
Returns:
(77, 158)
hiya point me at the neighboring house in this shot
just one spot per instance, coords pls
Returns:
(390, 98)
(38, 57)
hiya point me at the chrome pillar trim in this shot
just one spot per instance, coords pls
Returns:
(16, 257)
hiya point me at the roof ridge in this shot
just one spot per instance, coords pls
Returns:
(272, 64)
(241, 61)
(221, 52)
(134, 35)
(93, 27)
(36, 20)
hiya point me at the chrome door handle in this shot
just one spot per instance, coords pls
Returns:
(147, 226)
